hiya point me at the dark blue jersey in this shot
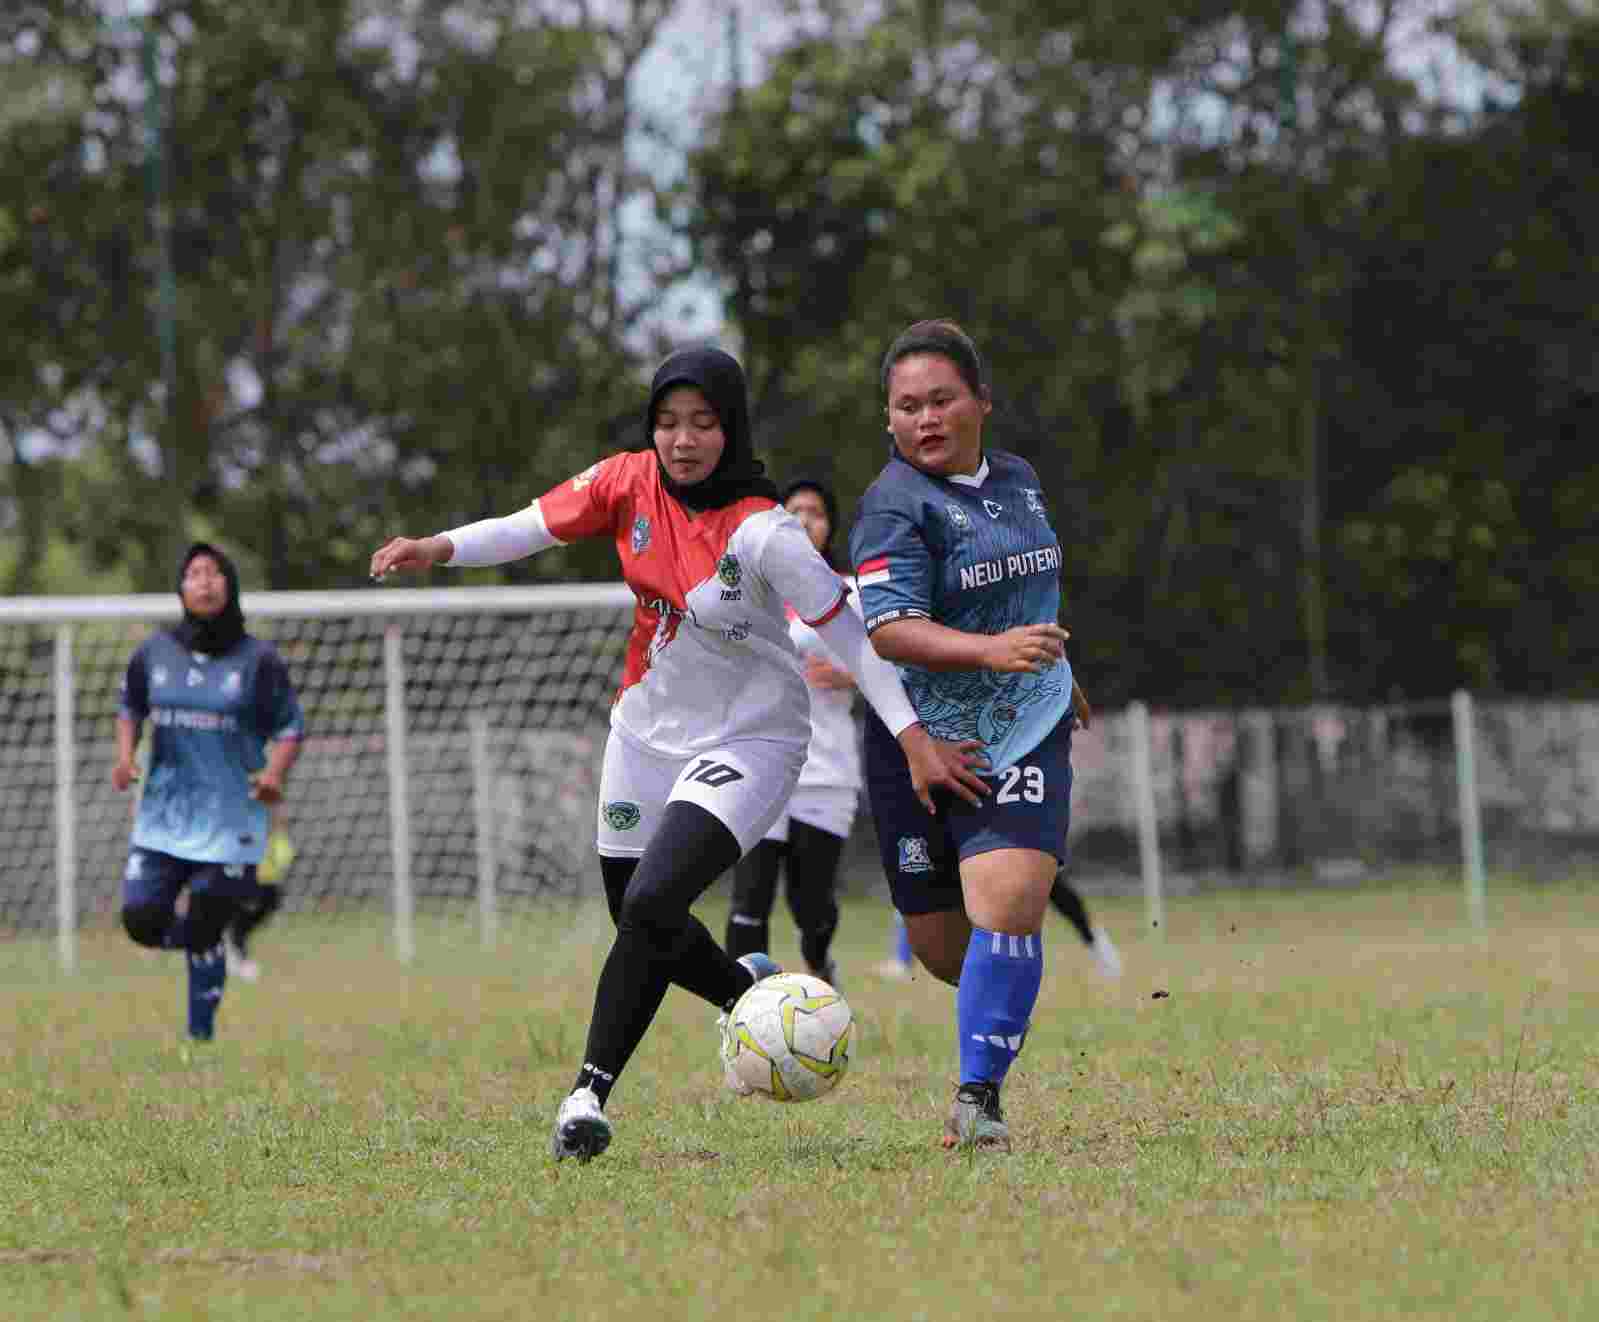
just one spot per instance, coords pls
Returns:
(211, 718)
(977, 554)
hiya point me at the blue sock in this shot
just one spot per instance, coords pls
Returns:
(208, 970)
(902, 942)
(994, 1002)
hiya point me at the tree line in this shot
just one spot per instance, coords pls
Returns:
(1293, 308)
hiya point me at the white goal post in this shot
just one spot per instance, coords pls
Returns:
(452, 748)
(454, 740)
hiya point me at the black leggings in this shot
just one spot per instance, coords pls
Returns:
(812, 857)
(159, 925)
(658, 940)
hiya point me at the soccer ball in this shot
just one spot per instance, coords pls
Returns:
(787, 1038)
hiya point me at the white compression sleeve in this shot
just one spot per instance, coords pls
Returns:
(876, 678)
(497, 541)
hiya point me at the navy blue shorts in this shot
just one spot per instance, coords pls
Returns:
(1028, 807)
(156, 878)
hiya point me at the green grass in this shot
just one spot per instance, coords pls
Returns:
(1348, 1107)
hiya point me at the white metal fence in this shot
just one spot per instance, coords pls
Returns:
(455, 735)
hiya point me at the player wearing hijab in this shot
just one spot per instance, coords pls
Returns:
(215, 697)
(709, 730)
(959, 573)
(807, 840)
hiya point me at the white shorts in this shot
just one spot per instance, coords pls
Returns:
(743, 784)
(829, 808)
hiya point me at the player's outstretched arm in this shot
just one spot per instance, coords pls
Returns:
(486, 542)
(921, 642)
(411, 555)
(934, 763)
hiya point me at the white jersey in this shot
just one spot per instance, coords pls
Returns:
(710, 659)
(833, 759)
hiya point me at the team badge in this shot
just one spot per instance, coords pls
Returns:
(958, 517)
(1035, 500)
(585, 477)
(914, 855)
(729, 570)
(641, 535)
(231, 682)
(158, 676)
(994, 510)
(620, 815)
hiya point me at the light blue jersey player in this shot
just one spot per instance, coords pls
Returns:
(215, 698)
(976, 554)
(959, 572)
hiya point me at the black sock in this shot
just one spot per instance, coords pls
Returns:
(658, 940)
(252, 912)
(754, 888)
(702, 967)
(1071, 906)
(699, 952)
(813, 859)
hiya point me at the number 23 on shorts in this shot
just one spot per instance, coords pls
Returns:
(1020, 784)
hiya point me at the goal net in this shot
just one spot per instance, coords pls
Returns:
(454, 739)
(450, 766)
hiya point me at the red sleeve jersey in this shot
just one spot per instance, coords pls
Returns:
(709, 658)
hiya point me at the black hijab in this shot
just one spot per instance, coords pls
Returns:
(721, 380)
(218, 634)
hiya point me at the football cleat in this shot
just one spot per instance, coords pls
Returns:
(760, 965)
(975, 1120)
(581, 1129)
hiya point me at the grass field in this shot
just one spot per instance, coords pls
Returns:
(1347, 1107)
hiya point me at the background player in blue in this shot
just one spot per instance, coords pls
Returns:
(215, 697)
(959, 573)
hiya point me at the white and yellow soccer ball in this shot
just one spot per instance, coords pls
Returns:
(787, 1038)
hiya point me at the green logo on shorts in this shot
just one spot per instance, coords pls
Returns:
(729, 571)
(622, 815)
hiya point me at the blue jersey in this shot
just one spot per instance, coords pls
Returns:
(977, 554)
(211, 718)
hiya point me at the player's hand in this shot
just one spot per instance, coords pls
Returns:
(1085, 713)
(940, 764)
(820, 673)
(265, 787)
(123, 774)
(1027, 647)
(410, 553)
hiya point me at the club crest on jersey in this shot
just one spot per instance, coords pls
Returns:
(914, 855)
(994, 508)
(729, 570)
(1035, 500)
(158, 676)
(620, 815)
(958, 517)
(232, 682)
(641, 534)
